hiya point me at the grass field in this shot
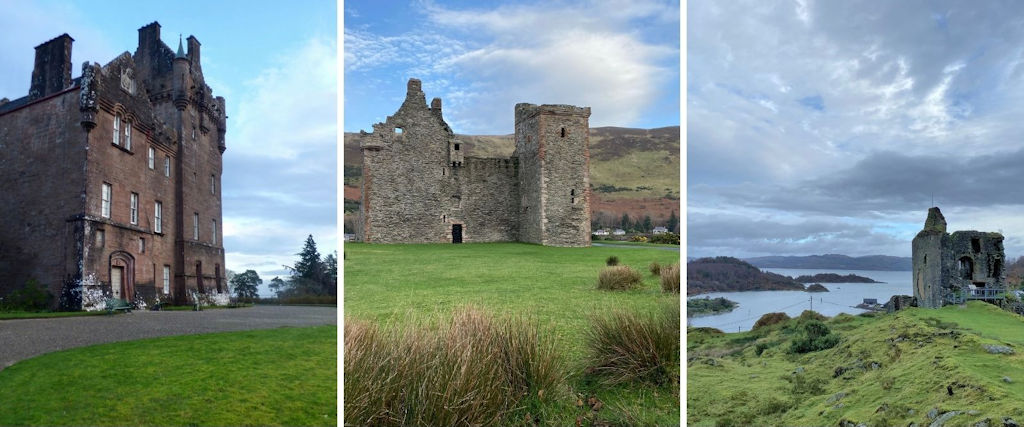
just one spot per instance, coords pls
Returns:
(283, 376)
(412, 284)
(5, 315)
(886, 370)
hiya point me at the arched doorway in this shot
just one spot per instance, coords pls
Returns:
(122, 275)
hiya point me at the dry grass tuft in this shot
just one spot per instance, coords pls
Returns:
(619, 278)
(670, 278)
(473, 370)
(630, 346)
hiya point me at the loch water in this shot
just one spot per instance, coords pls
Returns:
(841, 298)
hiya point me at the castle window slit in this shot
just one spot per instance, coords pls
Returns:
(563, 132)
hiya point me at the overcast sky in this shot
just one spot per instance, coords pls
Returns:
(619, 57)
(274, 64)
(827, 127)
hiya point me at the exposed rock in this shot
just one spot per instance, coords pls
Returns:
(798, 370)
(900, 302)
(1007, 380)
(836, 397)
(932, 413)
(998, 349)
(1009, 422)
(943, 418)
(987, 422)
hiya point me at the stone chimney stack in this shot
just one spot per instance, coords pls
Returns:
(193, 53)
(52, 72)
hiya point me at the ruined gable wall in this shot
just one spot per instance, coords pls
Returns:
(490, 199)
(985, 252)
(42, 162)
(403, 184)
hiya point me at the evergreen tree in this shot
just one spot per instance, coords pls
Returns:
(330, 281)
(648, 226)
(308, 272)
(673, 222)
(625, 224)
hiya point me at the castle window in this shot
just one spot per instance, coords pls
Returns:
(214, 232)
(127, 135)
(158, 217)
(442, 171)
(167, 166)
(105, 199)
(100, 238)
(563, 132)
(151, 157)
(966, 268)
(399, 131)
(456, 147)
(213, 184)
(195, 226)
(142, 245)
(976, 245)
(997, 268)
(926, 259)
(117, 130)
(134, 208)
(193, 133)
(167, 279)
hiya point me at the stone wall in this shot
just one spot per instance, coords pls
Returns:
(489, 198)
(948, 264)
(531, 185)
(42, 166)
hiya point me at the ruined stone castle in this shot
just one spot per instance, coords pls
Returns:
(111, 180)
(420, 187)
(953, 268)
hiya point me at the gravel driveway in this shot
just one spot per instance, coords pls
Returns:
(25, 338)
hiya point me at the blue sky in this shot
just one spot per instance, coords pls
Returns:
(830, 127)
(276, 66)
(621, 58)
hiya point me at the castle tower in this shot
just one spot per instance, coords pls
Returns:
(552, 144)
(929, 263)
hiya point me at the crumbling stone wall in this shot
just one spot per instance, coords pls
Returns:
(947, 266)
(418, 184)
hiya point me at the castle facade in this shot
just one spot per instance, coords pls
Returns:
(112, 179)
(420, 187)
(953, 268)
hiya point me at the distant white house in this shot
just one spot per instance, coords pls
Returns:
(619, 232)
(601, 232)
(349, 237)
(660, 230)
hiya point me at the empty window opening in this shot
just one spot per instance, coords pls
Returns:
(976, 245)
(442, 171)
(399, 131)
(195, 226)
(444, 218)
(997, 268)
(926, 260)
(563, 132)
(456, 147)
(966, 268)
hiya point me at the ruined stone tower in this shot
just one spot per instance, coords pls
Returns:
(953, 268)
(112, 180)
(420, 187)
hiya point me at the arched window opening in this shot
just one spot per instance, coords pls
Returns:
(966, 268)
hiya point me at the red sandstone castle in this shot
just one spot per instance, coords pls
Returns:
(111, 181)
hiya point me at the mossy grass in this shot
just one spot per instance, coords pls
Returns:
(404, 285)
(285, 376)
(881, 372)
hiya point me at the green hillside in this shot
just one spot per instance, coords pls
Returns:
(916, 366)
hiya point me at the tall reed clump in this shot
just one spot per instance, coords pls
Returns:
(670, 278)
(472, 370)
(618, 278)
(635, 346)
(654, 268)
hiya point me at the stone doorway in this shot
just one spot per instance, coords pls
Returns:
(456, 233)
(122, 275)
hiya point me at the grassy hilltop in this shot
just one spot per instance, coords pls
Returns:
(915, 366)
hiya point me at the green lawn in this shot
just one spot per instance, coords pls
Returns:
(283, 376)
(556, 286)
(886, 370)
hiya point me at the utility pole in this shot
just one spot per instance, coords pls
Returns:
(811, 299)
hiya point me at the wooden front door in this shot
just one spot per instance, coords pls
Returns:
(117, 280)
(456, 233)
